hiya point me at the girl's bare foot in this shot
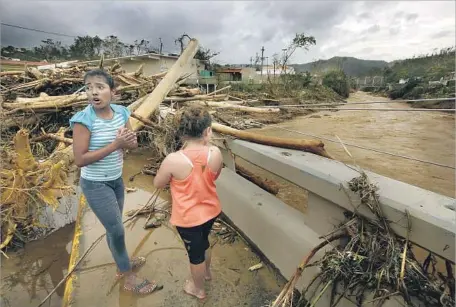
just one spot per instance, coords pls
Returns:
(190, 289)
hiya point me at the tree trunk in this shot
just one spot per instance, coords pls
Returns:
(44, 102)
(315, 147)
(154, 99)
(225, 105)
(265, 184)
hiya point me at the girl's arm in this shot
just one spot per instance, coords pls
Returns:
(82, 155)
(164, 173)
(216, 161)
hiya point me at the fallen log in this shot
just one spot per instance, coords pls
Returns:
(43, 98)
(19, 121)
(46, 103)
(154, 99)
(196, 97)
(34, 72)
(315, 147)
(224, 105)
(266, 184)
(56, 137)
(11, 73)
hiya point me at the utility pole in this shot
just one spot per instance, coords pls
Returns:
(262, 58)
(161, 45)
(251, 61)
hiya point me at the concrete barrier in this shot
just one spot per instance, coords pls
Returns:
(285, 235)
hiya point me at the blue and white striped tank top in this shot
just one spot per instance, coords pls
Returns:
(103, 132)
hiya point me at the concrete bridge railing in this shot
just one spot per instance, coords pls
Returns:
(285, 235)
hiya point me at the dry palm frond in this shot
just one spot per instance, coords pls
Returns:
(27, 187)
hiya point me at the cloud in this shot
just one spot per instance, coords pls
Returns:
(371, 29)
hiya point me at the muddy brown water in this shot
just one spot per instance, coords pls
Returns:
(422, 135)
(29, 274)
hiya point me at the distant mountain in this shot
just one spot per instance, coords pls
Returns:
(351, 66)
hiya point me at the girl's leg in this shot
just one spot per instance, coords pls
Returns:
(119, 190)
(206, 229)
(103, 201)
(193, 240)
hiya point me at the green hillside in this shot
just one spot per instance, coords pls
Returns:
(351, 66)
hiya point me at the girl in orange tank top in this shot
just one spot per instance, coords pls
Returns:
(191, 174)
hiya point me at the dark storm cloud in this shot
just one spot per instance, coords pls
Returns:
(373, 29)
(365, 15)
(411, 17)
(394, 31)
(313, 18)
(237, 29)
(441, 34)
(127, 20)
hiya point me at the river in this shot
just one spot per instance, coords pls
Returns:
(422, 135)
(31, 273)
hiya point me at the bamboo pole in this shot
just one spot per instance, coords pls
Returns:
(161, 91)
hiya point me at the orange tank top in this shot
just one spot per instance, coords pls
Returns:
(194, 199)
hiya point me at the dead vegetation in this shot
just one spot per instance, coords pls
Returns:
(371, 260)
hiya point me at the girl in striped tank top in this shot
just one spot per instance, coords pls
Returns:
(191, 173)
(100, 134)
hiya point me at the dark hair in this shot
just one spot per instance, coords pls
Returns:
(100, 73)
(193, 121)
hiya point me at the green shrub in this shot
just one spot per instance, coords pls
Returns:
(415, 93)
(337, 81)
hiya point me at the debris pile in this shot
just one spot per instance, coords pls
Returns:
(374, 260)
(36, 106)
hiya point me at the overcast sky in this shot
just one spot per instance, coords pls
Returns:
(370, 30)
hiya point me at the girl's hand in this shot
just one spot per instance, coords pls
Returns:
(125, 138)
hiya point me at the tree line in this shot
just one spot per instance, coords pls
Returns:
(92, 47)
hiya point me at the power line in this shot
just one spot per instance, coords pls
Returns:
(304, 107)
(367, 148)
(357, 103)
(36, 30)
(385, 109)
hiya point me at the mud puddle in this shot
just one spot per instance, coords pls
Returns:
(31, 273)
